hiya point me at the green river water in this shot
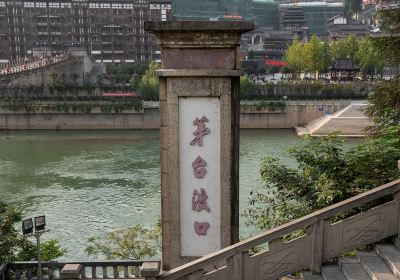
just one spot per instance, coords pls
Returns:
(91, 182)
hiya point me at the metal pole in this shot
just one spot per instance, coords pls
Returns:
(39, 273)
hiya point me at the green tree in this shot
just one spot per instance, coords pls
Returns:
(346, 47)
(294, 56)
(274, 70)
(384, 104)
(389, 42)
(314, 56)
(367, 57)
(135, 242)
(251, 55)
(149, 83)
(14, 246)
(352, 6)
(247, 87)
(325, 175)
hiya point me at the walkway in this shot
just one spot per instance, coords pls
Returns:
(33, 65)
(350, 122)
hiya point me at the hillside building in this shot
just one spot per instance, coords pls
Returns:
(111, 31)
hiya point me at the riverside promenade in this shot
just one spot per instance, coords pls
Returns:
(348, 122)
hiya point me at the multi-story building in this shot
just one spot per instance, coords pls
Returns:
(316, 14)
(111, 31)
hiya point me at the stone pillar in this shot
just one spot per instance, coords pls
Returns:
(71, 272)
(199, 106)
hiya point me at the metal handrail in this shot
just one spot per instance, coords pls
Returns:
(278, 232)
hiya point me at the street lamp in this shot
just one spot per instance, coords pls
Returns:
(28, 231)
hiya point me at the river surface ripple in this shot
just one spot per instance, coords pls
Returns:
(90, 182)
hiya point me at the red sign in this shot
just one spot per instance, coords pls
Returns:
(276, 62)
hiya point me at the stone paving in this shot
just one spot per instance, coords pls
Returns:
(350, 122)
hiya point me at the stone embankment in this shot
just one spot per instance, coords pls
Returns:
(254, 114)
(350, 122)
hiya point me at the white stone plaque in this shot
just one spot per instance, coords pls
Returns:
(199, 160)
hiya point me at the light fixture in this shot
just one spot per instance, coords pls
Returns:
(27, 226)
(40, 223)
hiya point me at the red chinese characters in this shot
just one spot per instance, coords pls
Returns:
(200, 132)
(199, 201)
(199, 165)
(199, 198)
(201, 228)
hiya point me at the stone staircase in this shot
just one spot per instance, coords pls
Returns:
(381, 264)
(350, 121)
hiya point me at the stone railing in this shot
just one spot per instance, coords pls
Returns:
(32, 65)
(126, 269)
(322, 240)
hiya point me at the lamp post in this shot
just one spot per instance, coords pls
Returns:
(29, 230)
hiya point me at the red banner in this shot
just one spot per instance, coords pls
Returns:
(276, 62)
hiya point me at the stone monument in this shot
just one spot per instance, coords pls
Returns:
(199, 107)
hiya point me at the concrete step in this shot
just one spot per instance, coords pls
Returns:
(332, 272)
(306, 275)
(352, 269)
(375, 266)
(391, 255)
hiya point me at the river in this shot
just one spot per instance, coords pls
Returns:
(90, 182)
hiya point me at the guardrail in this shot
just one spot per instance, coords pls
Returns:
(125, 269)
(321, 241)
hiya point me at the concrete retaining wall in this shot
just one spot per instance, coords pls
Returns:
(253, 115)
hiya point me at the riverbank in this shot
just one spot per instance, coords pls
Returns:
(253, 114)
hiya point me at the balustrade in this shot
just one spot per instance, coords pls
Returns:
(321, 240)
(89, 269)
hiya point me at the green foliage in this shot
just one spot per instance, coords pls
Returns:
(251, 55)
(345, 48)
(325, 175)
(389, 46)
(15, 247)
(247, 87)
(352, 6)
(314, 55)
(135, 242)
(384, 103)
(295, 57)
(367, 56)
(149, 83)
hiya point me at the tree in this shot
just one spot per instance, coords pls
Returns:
(384, 104)
(136, 242)
(251, 55)
(149, 83)
(294, 56)
(247, 87)
(325, 175)
(15, 247)
(352, 6)
(314, 56)
(274, 70)
(346, 47)
(367, 56)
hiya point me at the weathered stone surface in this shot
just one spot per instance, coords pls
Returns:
(375, 266)
(391, 255)
(352, 269)
(71, 271)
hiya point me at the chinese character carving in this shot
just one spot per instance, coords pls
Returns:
(200, 132)
(198, 167)
(199, 201)
(201, 228)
